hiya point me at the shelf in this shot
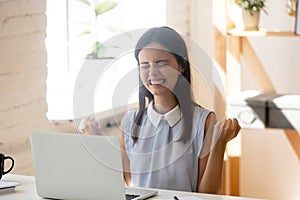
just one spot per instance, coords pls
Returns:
(240, 46)
(234, 52)
(261, 32)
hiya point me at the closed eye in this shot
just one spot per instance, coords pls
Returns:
(160, 65)
(157, 64)
(144, 66)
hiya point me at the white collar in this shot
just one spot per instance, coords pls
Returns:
(172, 117)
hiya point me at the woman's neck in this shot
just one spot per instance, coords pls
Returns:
(163, 105)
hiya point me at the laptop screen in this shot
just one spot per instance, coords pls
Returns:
(76, 166)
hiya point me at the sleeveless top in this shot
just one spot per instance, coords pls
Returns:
(158, 159)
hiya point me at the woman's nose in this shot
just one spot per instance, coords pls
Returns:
(153, 69)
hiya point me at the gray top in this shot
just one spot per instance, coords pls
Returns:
(158, 159)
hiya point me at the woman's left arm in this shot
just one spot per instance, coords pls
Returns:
(210, 166)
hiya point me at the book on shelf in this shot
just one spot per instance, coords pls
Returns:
(7, 186)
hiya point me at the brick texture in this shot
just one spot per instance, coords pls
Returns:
(23, 74)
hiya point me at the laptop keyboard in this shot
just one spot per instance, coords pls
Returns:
(131, 196)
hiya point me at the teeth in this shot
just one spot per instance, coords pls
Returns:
(156, 82)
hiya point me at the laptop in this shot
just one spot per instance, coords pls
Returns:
(76, 166)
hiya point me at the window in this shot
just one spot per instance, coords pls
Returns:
(66, 50)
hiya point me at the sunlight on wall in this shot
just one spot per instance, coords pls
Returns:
(66, 49)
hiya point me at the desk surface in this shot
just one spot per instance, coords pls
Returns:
(27, 190)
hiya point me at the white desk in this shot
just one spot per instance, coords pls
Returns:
(27, 191)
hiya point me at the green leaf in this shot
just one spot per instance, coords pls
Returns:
(99, 51)
(85, 33)
(86, 2)
(105, 7)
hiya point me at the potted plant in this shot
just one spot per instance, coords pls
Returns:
(291, 7)
(97, 8)
(251, 12)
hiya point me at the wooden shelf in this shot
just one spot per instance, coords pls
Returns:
(240, 46)
(260, 33)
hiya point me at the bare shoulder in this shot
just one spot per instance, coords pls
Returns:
(210, 120)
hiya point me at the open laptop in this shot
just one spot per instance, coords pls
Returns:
(76, 166)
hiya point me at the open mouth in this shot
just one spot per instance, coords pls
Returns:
(157, 82)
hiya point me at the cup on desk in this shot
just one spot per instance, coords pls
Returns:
(3, 159)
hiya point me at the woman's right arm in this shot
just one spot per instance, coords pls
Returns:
(125, 160)
(89, 125)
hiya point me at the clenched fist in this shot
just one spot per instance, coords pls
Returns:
(89, 125)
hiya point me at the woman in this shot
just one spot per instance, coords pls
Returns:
(171, 123)
(170, 142)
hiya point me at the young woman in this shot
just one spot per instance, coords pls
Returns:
(162, 142)
(170, 142)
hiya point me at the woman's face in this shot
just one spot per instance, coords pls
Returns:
(159, 69)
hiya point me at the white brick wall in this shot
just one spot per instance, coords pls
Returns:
(23, 74)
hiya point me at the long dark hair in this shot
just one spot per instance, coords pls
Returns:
(172, 41)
